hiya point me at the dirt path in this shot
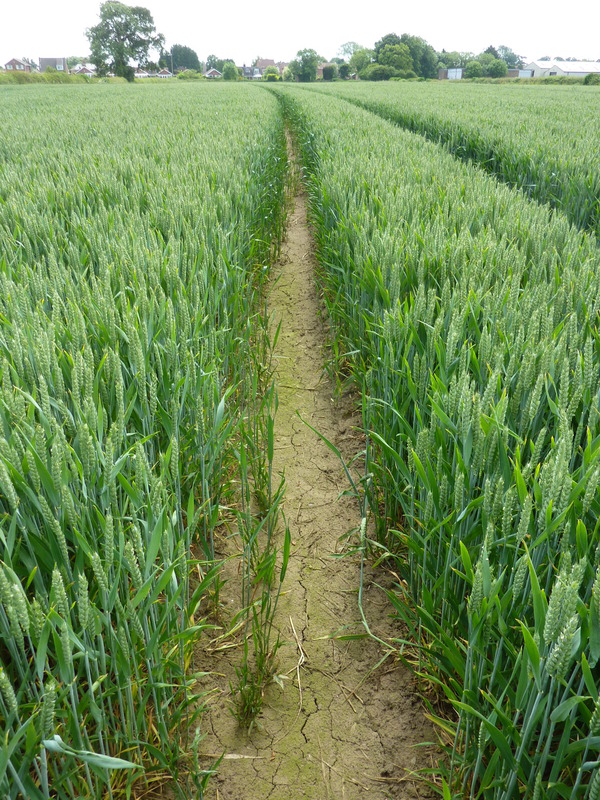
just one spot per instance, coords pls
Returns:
(348, 731)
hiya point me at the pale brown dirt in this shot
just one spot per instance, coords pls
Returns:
(349, 729)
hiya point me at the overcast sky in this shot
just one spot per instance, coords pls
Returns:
(244, 29)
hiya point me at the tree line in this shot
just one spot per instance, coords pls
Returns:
(127, 34)
(409, 56)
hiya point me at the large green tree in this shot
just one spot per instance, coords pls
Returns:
(72, 61)
(485, 59)
(184, 58)
(230, 71)
(496, 69)
(124, 34)
(360, 59)
(304, 66)
(213, 62)
(424, 58)
(330, 72)
(513, 61)
(396, 56)
(453, 58)
(423, 55)
(388, 39)
(348, 49)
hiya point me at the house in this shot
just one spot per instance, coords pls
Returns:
(262, 63)
(16, 65)
(83, 69)
(564, 69)
(251, 73)
(255, 72)
(213, 73)
(59, 64)
(141, 73)
(164, 73)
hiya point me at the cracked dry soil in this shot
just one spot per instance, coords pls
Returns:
(349, 729)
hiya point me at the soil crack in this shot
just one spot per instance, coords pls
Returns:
(339, 724)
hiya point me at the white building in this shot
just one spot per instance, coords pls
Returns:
(569, 69)
(83, 69)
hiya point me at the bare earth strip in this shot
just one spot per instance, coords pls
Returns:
(340, 728)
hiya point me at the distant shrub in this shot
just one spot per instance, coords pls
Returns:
(17, 77)
(560, 79)
(49, 76)
(405, 75)
(271, 73)
(496, 69)
(474, 69)
(593, 79)
(377, 72)
(62, 77)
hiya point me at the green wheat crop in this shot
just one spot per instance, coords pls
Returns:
(135, 228)
(470, 316)
(540, 139)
